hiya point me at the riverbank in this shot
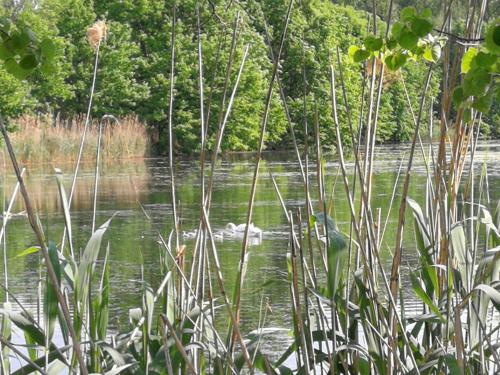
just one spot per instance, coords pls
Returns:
(41, 139)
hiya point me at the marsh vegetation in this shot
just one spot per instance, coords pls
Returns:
(396, 274)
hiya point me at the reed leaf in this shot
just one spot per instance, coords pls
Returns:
(51, 304)
(87, 262)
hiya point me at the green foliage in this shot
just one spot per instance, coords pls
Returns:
(134, 67)
(409, 39)
(480, 68)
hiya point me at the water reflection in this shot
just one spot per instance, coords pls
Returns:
(133, 232)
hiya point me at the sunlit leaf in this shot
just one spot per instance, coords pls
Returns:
(28, 251)
(467, 59)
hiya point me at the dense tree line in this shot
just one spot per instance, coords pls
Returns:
(134, 66)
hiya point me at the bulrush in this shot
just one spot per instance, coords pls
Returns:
(96, 33)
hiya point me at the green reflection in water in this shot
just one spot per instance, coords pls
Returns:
(133, 237)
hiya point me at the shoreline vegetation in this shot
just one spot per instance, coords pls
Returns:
(47, 138)
(347, 310)
(44, 139)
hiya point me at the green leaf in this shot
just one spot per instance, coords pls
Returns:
(491, 292)
(28, 251)
(392, 43)
(452, 364)
(408, 40)
(12, 67)
(361, 55)
(394, 62)
(28, 62)
(87, 261)
(458, 96)
(396, 30)
(5, 24)
(476, 82)
(373, 43)
(432, 53)
(48, 48)
(421, 27)
(51, 304)
(467, 59)
(424, 297)
(47, 68)
(19, 41)
(460, 254)
(30, 34)
(351, 51)
(408, 13)
(4, 52)
(484, 60)
(65, 204)
(483, 103)
(357, 54)
(426, 13)
(492, 38)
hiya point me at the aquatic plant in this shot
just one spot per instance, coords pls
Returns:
(347, 312)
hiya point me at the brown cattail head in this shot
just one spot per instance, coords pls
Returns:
(96, 33)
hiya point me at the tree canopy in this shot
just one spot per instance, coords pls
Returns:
(134, 66)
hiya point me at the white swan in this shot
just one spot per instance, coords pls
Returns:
(189, 235)
(239, 230)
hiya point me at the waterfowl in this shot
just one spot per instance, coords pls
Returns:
(189, 235)
(239, 230)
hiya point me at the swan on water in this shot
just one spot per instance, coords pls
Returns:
(189, 235)
(234, 229)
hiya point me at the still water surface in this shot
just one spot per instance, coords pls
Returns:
(133, 237)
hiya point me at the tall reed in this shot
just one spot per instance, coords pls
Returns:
(347, 310)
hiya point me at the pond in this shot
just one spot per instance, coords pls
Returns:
(134, 250)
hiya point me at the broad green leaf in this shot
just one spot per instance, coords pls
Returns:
(458, 95)
(397, 29)
(492, 38)
(467, 59)
(396, 61)
(408, 40)
(452, 364)
(13, 68)
(426, 13)
(5, 53)
(432, 53)
(476, 82)
(421, 27)
(484, 60)
(19, 41)
(483, 103)
(87, 261)
(373, 43)
(5, 24)
(28, 62)
(407, 13)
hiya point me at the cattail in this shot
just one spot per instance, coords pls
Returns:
(96, 33)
